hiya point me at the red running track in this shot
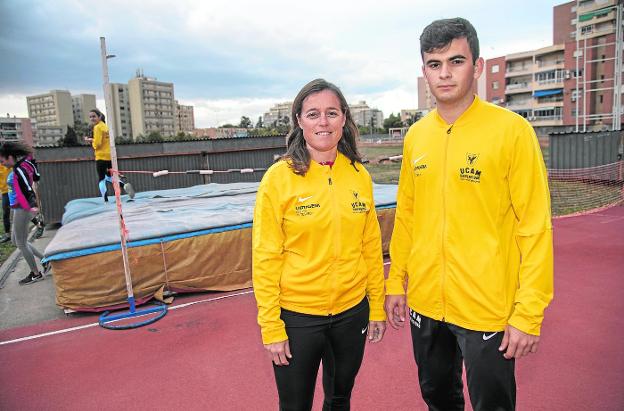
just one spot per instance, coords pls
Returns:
(209, 356)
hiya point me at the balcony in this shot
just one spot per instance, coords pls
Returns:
(516, 88)
(549, 83)
(519, 104)
(519, 71)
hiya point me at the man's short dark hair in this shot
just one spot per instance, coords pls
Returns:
(441, 33)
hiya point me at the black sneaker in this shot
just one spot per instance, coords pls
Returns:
(5, 238)
(47, 266)
(39, 231)
(31, 278)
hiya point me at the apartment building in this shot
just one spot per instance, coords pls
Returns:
(152, 107)
(362, 115)
(53, 113)
(16, 129)
(119, 120)
(278, 114)
(184, 118)
(81, 105)
(573, 84)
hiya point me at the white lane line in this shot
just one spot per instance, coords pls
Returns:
(82, 327)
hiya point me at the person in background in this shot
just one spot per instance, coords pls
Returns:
(23, 202)
(6, 207)
(317, 260)
(100, 142)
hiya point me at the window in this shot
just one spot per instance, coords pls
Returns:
(495, 68)
(495, 85)
(600, 98)
(586, 29)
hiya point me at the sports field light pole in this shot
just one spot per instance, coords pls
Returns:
(161, 309)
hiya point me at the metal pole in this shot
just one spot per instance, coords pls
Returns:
(578, 95)
(115, 176)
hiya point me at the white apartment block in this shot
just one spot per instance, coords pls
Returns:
(120, 122)
(184, 118)
(52, 113)
(277, 114)
(81, 105)
(362, 115)
(152, 107)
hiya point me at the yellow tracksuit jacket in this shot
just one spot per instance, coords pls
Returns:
(101, 142)
(4, 173)
(316, 244)
(473, 233)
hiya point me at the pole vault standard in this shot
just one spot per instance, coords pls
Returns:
(154, 313)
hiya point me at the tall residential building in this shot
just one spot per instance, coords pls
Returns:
(120, 121)
(426, 101)
(53, 113)
(575, 84)
(152, 106)
(184, 118)
(362, 115)
(16, 129)
(81, 105)
(280, 112)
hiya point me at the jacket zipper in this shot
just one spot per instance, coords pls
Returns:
(446, 144)
(335, 237)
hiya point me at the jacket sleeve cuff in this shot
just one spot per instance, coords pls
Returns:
(524, 325)
(394, 287)
(377, 313)
(273, 335)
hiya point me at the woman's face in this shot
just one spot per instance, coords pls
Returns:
(93, 118)
(321, 120)
(7, 161)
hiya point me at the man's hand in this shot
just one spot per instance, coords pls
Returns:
(88, 139)
(279, 352)
(376, 331)
(518, 344)
(395, 310)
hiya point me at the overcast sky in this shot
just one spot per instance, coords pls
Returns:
(232, 57)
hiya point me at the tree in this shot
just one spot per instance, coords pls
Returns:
(82, 130)
(228, 125)
(70, 139)
(260, 123)
(245, 122)
(392, 122)
(154, 137)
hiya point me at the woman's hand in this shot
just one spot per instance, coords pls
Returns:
(279, 352)
(376, 330)
(88, 139)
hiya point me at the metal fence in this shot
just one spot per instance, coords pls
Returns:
(584, 150)
(68, 173)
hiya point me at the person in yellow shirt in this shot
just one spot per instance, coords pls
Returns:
(6, 206)
(472, 237)
(317, 259)
(100, 142)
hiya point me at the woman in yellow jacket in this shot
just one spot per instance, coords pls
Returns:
(317, 259)
(100, 142)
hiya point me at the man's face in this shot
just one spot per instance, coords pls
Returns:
(451, 73)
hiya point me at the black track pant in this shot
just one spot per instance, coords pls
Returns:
(339, 341)
(439, 349)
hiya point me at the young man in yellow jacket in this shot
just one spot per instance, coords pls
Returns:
(472, 238)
